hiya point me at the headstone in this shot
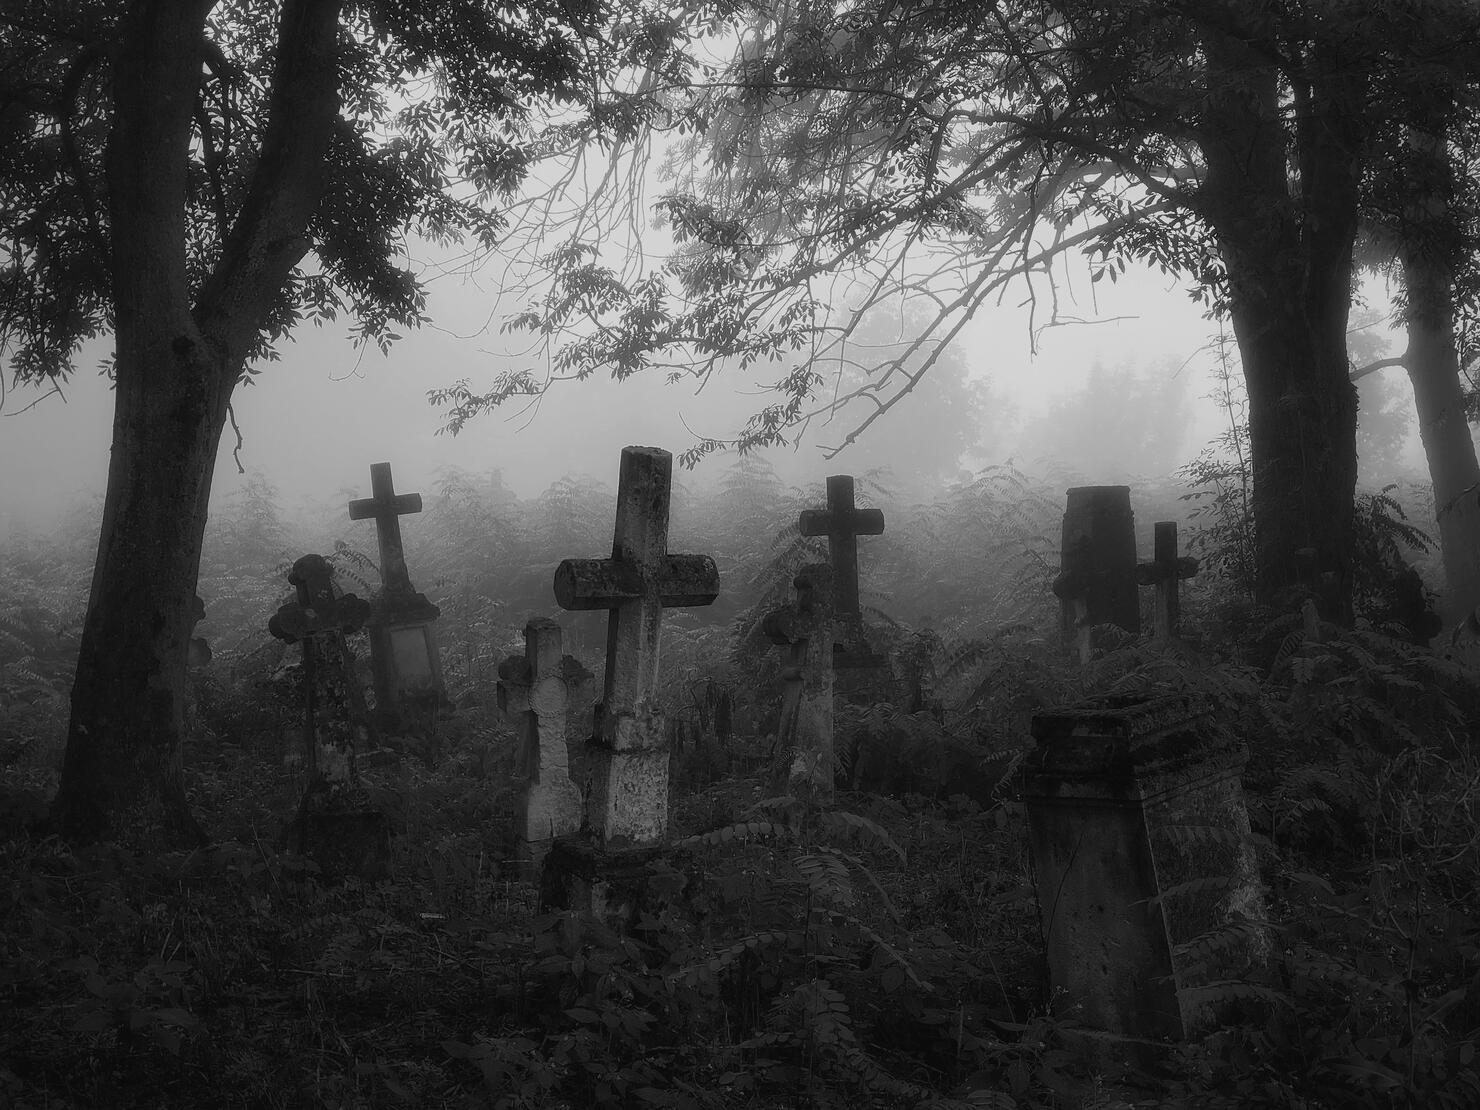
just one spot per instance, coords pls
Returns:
(537, 688)
(336, 824)
(804, 740)
(627, 803)
(842, 522)
(404, 660)
(1147, 882)
(1165, 572)
(1097, 577)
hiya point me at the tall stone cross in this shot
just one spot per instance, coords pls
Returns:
(842, 522)
(404, 658)
(386, 507)
(628, 799)
(1166, 572)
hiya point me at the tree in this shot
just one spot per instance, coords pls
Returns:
(197, 178)
(1223, 140)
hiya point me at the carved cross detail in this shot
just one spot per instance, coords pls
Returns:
(387, 507)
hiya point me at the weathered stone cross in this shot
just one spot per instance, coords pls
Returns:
(842, 522)
(536, 688)
(387, 506)
(1165, 571)
(804, 738)
(628, 800)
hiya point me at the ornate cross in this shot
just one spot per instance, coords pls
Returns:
(387, 506)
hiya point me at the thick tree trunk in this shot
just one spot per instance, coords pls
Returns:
(121, 778)
(179, 353)
(1432, 362)
(1288, 256)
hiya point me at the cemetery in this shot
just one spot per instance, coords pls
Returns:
(879, 702)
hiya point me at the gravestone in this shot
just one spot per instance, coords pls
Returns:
(1096, 584)
(1147, 882)
(1165, 572)
(842, 522)
(404, 660)
(804, 738)
(536, 689)
(628, 798)
(627, 795)
(336, 824)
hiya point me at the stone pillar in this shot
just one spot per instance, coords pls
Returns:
(1140, 841)
(1166, 572)
(336, 825)
(1097, 578)
(804, 741)
(536, 689)
(404, 658)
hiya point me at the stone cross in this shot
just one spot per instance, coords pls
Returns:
(628, 799)
(842, 522)
(804, 739)
(536, 689)
(1166, 571)
(336, 823)
(387, 507)
(1141, 848)
(404, 659)
(1097, 578)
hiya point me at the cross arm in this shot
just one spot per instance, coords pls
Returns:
(859, 522)
(605, 583)
(402, 504)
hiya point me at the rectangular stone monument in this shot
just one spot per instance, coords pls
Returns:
(1165, 573)
(804, 741)
(404, 659)
(536, 688)
(1147, 882)
(1097, 577)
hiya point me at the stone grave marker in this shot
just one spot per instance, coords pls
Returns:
(537, 688)
(404, 659)
(1166, 572)
(628, 801)
(804, 741)
(1096, 584)
(627, 796)
(842, 522)
(1147, 882)
(336, 824)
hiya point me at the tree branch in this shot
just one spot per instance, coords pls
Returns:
(1380, 364)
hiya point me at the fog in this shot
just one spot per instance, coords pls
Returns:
(313, 422)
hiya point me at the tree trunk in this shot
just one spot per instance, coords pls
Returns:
(1288, 257)
(179, 353)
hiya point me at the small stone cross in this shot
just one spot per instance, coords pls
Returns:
(319, 607)
(842, 522)
(804, 740)
(1166, 571)
(536, 688)
(387, 506)
(629, 792)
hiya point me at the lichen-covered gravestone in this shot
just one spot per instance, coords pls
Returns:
(1147, 882)
(404, 660)
(1097, 579)
(336, 825)
(627, 796)
(536, 689)
(804, 740)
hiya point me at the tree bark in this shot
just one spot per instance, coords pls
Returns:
(1288, 256)
(178, 357)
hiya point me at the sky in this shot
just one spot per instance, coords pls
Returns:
(314, 421)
